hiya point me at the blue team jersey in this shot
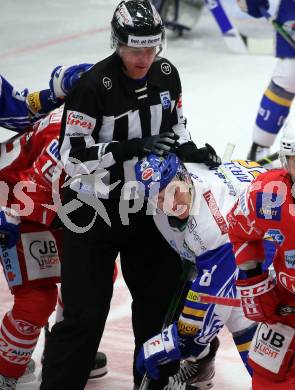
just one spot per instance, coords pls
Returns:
(285, 16)
(14, 113)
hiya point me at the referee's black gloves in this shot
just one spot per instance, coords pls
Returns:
(159, 144)
(188, 152)
(138, 147)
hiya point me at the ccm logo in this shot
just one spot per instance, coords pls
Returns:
(255, 290)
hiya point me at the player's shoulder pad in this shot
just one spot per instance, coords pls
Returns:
(279, 175)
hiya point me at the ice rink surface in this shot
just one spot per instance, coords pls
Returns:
(221, 93)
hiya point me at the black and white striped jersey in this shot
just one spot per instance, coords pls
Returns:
(105, 107)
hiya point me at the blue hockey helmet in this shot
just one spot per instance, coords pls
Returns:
(157, 170)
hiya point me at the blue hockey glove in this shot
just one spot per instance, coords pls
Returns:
(64, 77)
(9, 227)
(252, 7)
(160, 349)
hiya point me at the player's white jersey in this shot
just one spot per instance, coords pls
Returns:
(215, 193)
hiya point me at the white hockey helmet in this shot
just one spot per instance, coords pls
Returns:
(287, 143)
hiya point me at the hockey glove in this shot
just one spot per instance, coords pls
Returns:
(158, 350)
(63, 78)
(139, 147)
(159, 144)
(188, 152)
(212, 159)
(259, 298)
(9, 227)
(252, 7)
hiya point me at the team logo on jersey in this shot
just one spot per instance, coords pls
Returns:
(268, 206)
(107, 82)
(44, 252)
(287, 281)
(147, 174)
(79, 124)
(186, 328)
(270, 345)
(192, 224)
(290, 259)
(166, 68)
(216, 214)
(275, 235)
(41, 255)
(52, 150)
(10, 263)
(165, 100)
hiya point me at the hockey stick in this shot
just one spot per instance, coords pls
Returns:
(235, 302)
(176, 302)
(232, 38)
(228, 152)
(278, 27)
(268, 159)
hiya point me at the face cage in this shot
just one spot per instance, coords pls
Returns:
(284, 160)
(160, 52)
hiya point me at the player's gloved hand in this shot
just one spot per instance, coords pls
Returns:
(64, 77)
(252, 7)
(259, 298)
(9, 227)
(159, 144)
(138, 147)
(158, 350)
(212, 159)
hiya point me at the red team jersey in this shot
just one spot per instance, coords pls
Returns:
(267, 210)
(27, 167)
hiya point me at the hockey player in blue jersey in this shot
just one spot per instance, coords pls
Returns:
(192, 203)
(18, 110)
(277, 99)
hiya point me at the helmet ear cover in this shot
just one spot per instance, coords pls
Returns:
(136, 23)
(287, 142)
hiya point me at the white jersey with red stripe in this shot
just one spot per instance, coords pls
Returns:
(215, 193)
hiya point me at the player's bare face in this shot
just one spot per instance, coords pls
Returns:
(175, 199)
(291, 167)
(137, 61)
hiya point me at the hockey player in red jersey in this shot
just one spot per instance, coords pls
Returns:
(31, 255)
(267, 210)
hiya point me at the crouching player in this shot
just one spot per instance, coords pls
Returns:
(192, 203)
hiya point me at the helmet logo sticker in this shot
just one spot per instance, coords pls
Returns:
(123, 16)
(165, 100)
(144, 41)
(166, 68)
(107, 82)
(147, 174)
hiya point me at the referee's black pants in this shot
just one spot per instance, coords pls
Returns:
(151, 270)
